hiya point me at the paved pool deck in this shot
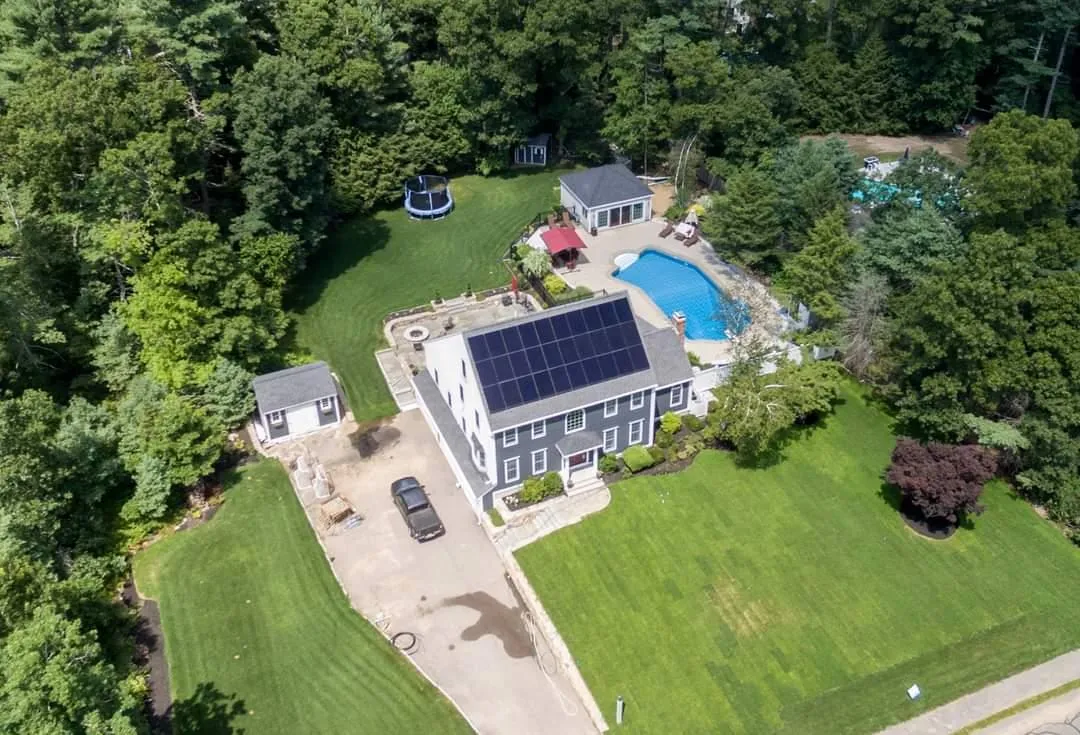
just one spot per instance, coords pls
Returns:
(595, 269)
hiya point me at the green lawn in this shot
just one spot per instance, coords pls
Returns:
(792, 599)
(255, 622)
(386, 262)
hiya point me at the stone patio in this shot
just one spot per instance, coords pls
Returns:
(595, 270)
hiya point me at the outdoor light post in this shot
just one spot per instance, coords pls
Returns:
(620, 705)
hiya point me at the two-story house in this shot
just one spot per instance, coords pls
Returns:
(551, 391)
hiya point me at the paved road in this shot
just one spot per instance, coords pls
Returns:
(1050, 717)
(997, 697)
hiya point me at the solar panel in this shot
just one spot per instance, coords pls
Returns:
(527, 362)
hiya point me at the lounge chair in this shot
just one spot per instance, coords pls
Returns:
(668, 229)
(679, 236)
(692, 240)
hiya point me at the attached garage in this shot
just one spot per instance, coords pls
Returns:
(297, 401)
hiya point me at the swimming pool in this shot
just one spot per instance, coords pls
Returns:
(676, 285)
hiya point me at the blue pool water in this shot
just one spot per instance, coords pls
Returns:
(676, 285)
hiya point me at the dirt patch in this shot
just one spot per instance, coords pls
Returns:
(497, 619)
(369, 439)
(662, 198)
(951, 146)
(150, 654)
(745, 617)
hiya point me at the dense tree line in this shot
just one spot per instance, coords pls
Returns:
(170, 167)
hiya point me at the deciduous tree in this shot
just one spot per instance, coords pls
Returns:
(942, 481)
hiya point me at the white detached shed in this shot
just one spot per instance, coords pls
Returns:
(606, 196)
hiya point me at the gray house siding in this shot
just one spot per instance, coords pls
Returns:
(663, 400)
(595, 422)
(331, 416)
(276, 432)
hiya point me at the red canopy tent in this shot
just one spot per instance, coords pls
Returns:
(559, 239)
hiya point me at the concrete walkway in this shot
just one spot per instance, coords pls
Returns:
(525, 526)
(986, 702)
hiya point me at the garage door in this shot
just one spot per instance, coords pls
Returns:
(303, 419)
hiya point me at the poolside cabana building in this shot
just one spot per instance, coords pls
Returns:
(606, 196)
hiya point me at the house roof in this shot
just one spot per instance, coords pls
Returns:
(539, 139)
(667, 364)
(602, 185)
(451, 432)
(293, 386)
(667, 355)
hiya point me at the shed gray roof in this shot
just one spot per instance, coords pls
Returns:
(578, 442)
(451, 432)
(608, 184)
(293, 386)
(667, 360)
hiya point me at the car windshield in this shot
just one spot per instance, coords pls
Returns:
(414, 499)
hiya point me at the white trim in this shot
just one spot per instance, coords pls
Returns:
(652, 420)
(672, 403)
(637, 400)
(280, 420)
(566, 421)
(543, 429)
(325, 404)
(614, 402)
(541, 454)
(639, 424)
(614, 431)
(506, 438)
(506, 469)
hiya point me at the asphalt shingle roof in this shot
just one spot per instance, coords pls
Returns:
(451, 432)
(667, 364)
(293, 386)
(602, 185)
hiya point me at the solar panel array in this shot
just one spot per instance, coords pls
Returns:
(543, 357)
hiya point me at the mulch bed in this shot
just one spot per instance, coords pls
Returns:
(937, 529)
(514, 503)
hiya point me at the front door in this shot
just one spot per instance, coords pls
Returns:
(581, 466)
(577, 461)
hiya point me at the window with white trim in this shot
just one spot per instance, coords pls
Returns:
(637, 400)
(510, 437)
(639, 211)
(539, 429)
(611, 407)
(611, 439)
(539, 461)
(511, 469)
(575, 421)
(325, 404)
(601, 218)
(676, 395)
(481, 457)
(476, 418)
(277, 418)
(461, 393)
(637, 429)
(463, 374)
(436, 376)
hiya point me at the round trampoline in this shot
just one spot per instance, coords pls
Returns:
(428, 197)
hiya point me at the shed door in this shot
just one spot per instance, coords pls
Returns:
(303, 419)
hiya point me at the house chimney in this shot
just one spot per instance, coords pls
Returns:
(679, 320)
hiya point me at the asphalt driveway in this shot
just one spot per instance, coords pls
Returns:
(451, 592)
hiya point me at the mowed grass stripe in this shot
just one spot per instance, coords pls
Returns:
(307, 662)
(804, 604)
(386, 262)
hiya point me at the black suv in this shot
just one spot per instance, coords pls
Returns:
(412, 501)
